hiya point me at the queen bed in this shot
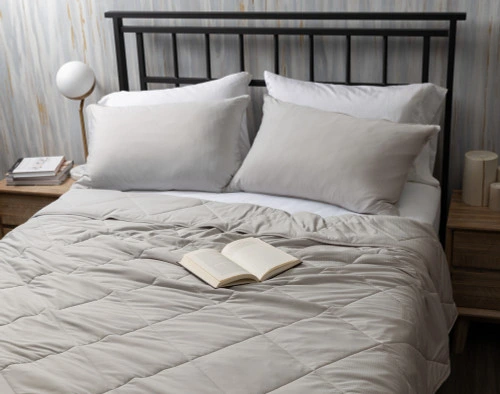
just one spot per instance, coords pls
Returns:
(92, 296)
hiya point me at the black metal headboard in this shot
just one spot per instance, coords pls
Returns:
(447, 29)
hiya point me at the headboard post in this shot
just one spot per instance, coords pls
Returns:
(311, 57)
(141, 59)
(348, 60)
(385, 60)
(208, 56)
(426, 59)
(445, 155)
(175, 55)
(121, 60)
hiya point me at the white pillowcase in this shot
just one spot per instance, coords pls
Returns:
(233, 85)
(358, 164)
(414, 103)
(177, 146)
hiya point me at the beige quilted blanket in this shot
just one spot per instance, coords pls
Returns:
(92, 300)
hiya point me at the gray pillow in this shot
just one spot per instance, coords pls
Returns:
(233, 85)
(358, 164)
(182, 146)
(418, 103)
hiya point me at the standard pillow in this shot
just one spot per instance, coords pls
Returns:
(414, 103)
(233, 85)
(179, 146)
(358, 164)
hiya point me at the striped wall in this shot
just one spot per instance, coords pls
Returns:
(38, 36)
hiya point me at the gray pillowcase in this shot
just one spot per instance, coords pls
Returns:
(230, 86)
(358, 164)
(178, 146)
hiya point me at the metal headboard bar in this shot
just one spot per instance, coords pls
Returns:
(426, 34)
(319, 31)
(400, 16)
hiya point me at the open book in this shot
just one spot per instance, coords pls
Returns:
(243, 261)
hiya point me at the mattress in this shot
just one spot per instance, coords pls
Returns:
(93, 300)
(418, 201)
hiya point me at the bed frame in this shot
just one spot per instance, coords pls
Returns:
(447, 29)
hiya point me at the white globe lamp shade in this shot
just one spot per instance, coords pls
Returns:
(75, 80)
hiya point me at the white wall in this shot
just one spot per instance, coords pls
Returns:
(38, 36)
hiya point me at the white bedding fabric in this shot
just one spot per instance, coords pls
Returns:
(418, 201)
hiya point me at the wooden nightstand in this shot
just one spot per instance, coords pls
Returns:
(19, 203)
(473, 253)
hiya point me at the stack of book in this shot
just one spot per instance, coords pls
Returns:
(48, 170)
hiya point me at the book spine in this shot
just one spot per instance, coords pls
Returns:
(11, 169)
(23, 175)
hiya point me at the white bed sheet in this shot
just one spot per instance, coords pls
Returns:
(418, 201)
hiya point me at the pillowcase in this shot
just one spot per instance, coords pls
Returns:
(358, 164)
(233, 85)
(186, 146)
(414, 103)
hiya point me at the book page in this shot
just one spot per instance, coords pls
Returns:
(214, 268)
(258, 257)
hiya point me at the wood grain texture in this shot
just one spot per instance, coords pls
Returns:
(466, 217)
(19, 203)
(460, 332)
(479, 314)
(476, 249)
(476, 289)
(473, 253)
(36, 39)
(16, 209)
(45, 191)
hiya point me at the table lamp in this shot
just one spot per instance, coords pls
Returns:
(76, 81)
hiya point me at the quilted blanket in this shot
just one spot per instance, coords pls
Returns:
(92, 300)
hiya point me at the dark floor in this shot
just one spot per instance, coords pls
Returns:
(477, 369)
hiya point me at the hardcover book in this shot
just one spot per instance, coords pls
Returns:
(244, 261)
(38, 180)
(37, 166)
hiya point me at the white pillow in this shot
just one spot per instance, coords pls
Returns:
(414, 103)
(177, 146)
(358, 164)
(233, 85)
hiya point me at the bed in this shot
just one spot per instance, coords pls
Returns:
(92, 296)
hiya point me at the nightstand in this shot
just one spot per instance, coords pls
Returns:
(473, 253)
(19, 203)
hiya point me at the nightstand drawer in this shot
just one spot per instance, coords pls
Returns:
(476, 289)
(16, 209)
(476, 249)
(19, 203)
